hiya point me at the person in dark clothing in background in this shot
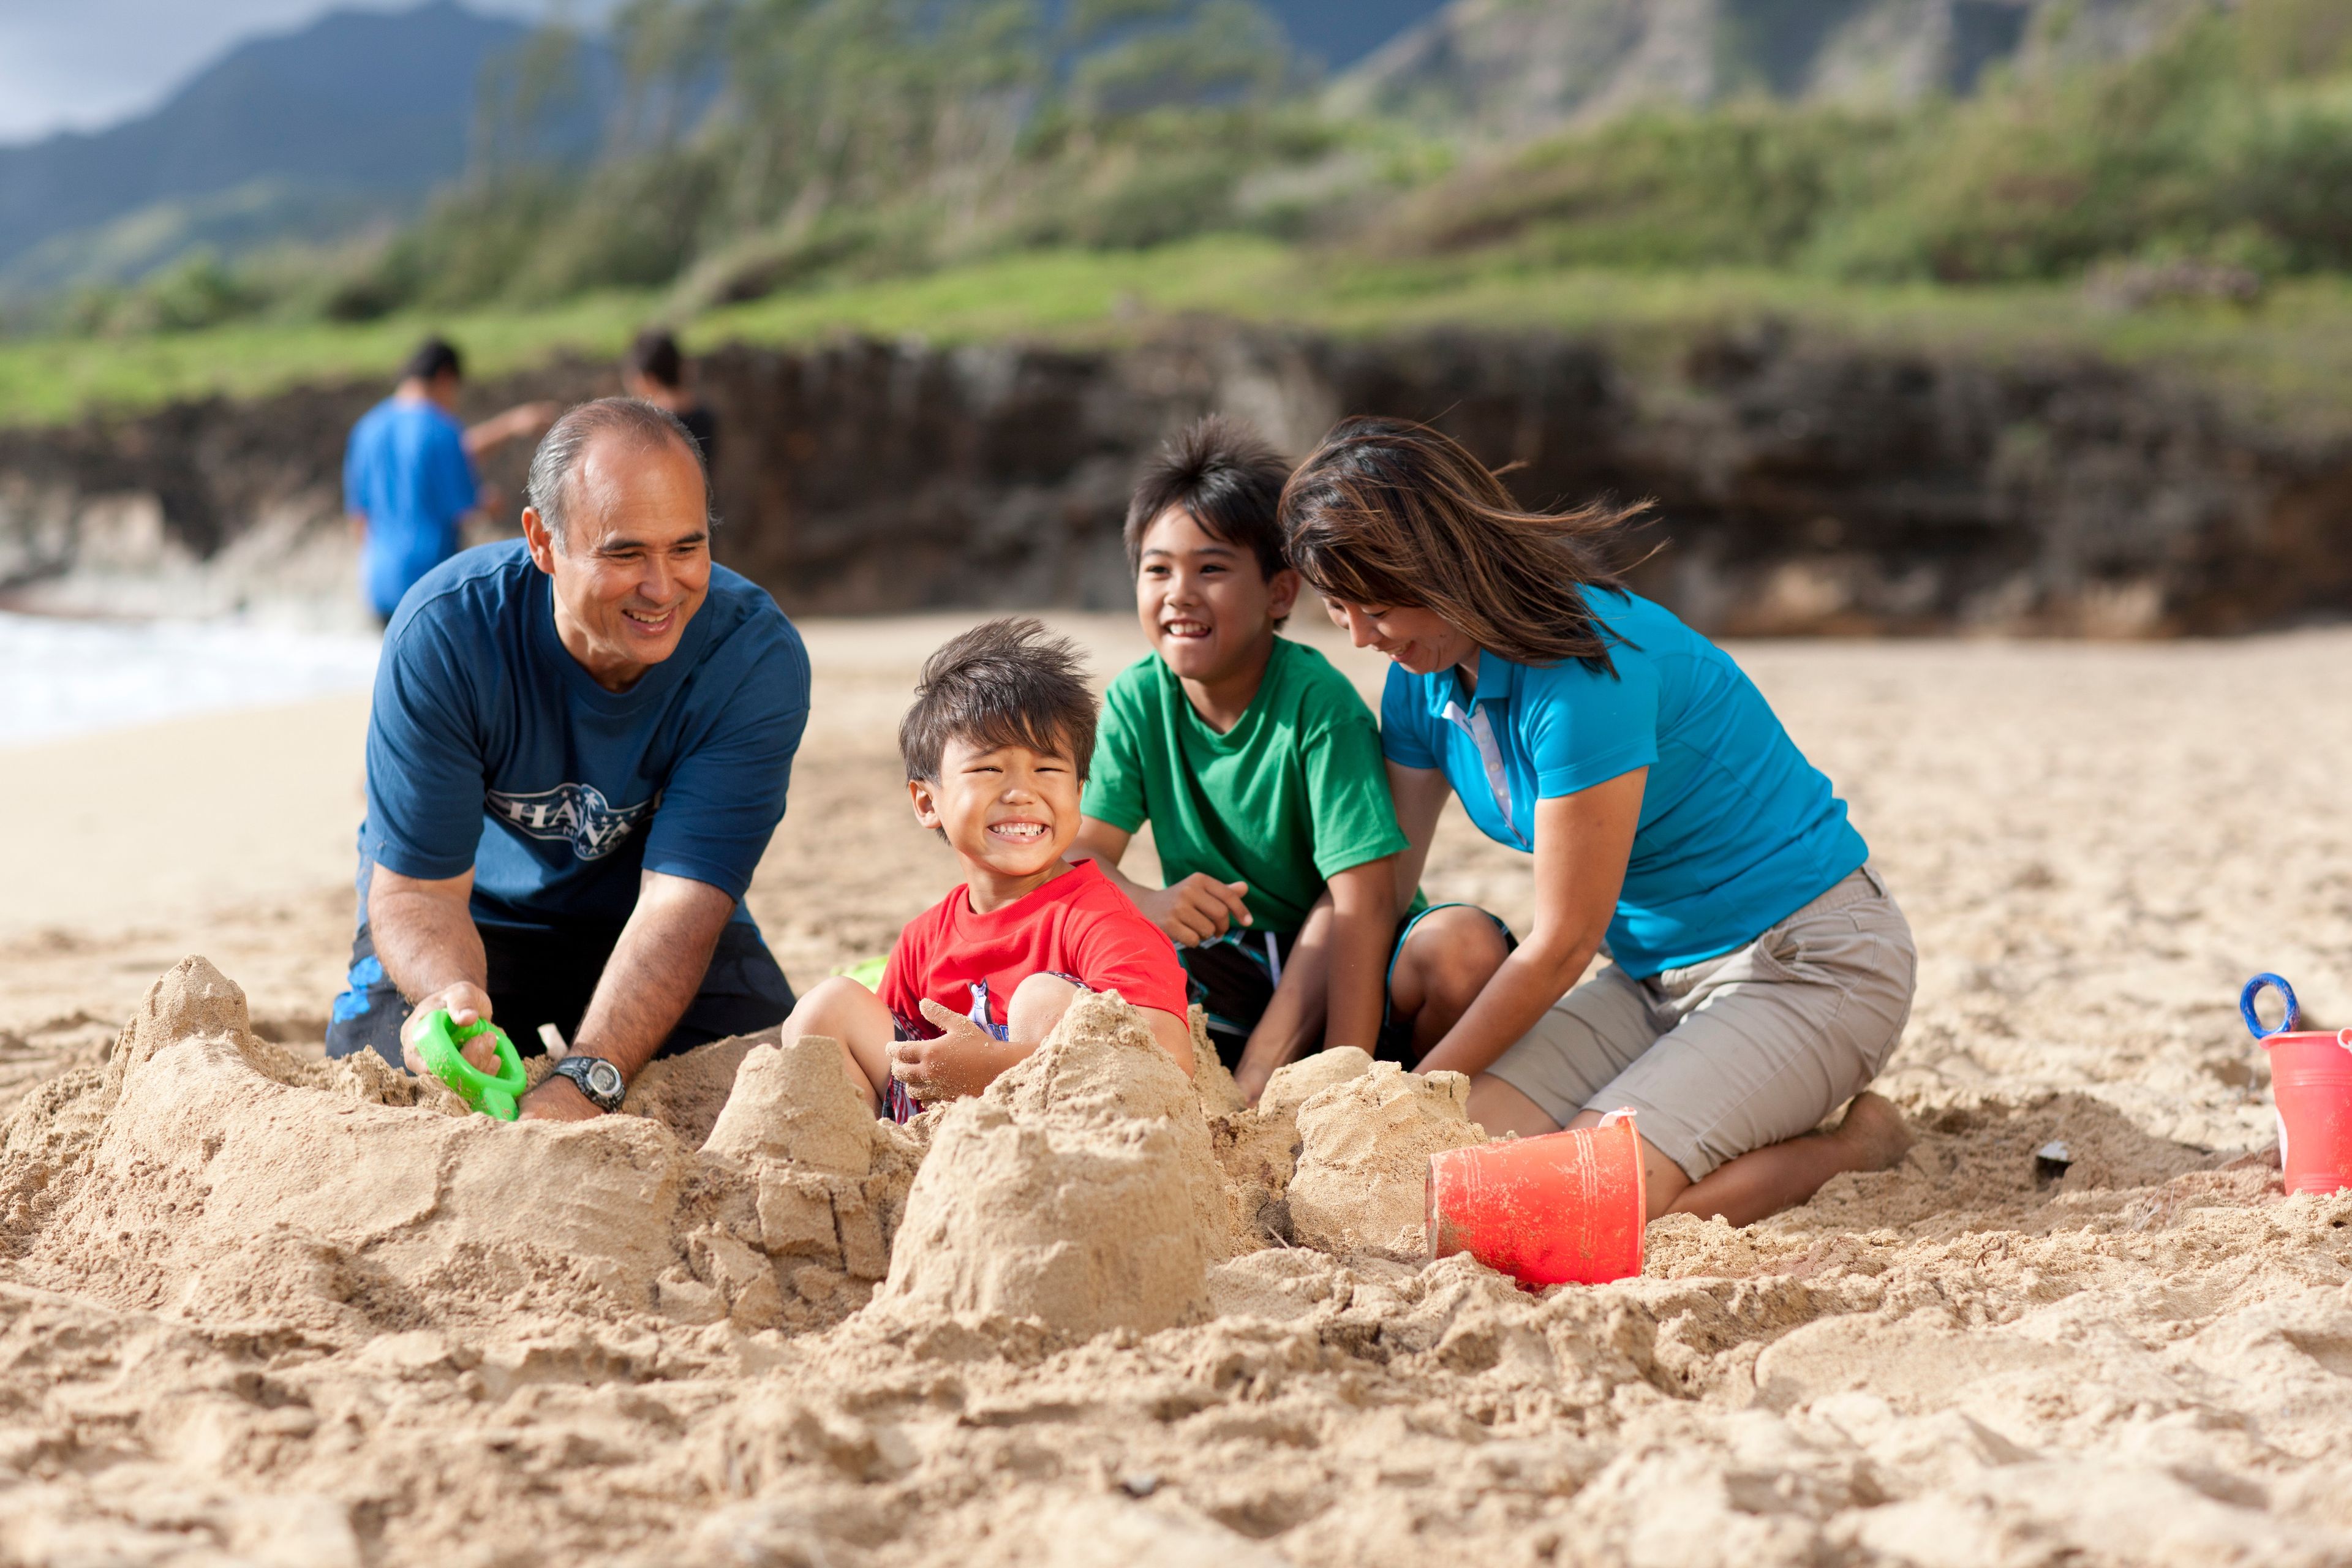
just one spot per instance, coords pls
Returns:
(657, 373)
(408, 473)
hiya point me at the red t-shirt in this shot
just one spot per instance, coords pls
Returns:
(1077, 924)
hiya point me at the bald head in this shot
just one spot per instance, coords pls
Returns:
(620, 433)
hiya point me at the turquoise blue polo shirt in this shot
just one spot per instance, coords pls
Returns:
(1738, 830)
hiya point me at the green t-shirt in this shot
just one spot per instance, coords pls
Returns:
(1291, 795)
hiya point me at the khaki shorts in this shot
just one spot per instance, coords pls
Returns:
(1740, 1051)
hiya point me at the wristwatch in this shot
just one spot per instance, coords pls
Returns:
(597, 1079)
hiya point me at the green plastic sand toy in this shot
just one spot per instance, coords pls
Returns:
(492, 1094)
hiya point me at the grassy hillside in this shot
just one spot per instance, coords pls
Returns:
(2287, 357)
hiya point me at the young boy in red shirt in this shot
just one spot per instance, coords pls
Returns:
(996, 748)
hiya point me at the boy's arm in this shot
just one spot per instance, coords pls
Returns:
(1293, 1017)
(1175, 1035)
(1363, 928)
(1334, 982)
(1194, 910)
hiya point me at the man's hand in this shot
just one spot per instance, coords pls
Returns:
(963, 1060)
(1197, 909)
(468, 1003)
(557, 1099)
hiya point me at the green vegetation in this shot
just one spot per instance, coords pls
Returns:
(968, 169)
(2230, 144)
(52, 378)
(2289, 359)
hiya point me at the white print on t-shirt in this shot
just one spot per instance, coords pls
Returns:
(576, 813)
(1481, 730)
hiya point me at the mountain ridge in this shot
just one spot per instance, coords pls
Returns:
(356, 115)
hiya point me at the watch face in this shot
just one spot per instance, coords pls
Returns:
(605, 1079)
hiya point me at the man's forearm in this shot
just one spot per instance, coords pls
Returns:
(655, 970)
(426, 940)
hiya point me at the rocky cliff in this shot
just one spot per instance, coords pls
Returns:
(1803, 484)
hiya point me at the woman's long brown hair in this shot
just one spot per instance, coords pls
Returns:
(1389, 513)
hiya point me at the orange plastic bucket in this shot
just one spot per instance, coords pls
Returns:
(1567, 1208)
(2311, 1092)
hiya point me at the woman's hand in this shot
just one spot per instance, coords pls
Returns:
(1582, 844)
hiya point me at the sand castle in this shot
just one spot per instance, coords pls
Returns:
(207, 1171)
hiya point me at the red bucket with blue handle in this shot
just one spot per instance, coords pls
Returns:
(2311, 1091)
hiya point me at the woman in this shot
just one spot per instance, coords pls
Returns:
(1760, 974)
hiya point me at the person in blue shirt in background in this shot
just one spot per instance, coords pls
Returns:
(579, 745)
(1760, 975)
(408, 473)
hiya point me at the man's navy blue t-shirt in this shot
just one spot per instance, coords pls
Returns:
(491, 749)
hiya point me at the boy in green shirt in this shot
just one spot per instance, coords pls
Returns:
(1259, 769)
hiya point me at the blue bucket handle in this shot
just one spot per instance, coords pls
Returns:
(2246, 1005)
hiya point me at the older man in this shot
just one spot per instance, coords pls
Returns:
(579, 746)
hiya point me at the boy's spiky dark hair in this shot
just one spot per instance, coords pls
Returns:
(1227, 477)
(1004, 683)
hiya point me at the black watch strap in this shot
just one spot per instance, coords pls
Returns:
(597, 1079)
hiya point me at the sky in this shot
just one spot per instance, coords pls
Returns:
(82, 64)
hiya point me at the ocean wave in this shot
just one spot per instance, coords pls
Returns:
(67, 677)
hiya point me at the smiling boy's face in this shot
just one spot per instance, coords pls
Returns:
(1007, 811)
(1207, 607)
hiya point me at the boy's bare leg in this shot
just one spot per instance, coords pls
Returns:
(1445, 963)
(1037, 1004)
(846, 1010)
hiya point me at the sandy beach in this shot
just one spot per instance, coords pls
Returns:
(256, 1309)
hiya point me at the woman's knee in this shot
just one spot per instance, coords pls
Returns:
(1500, 1108)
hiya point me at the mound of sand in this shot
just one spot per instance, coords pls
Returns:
(1079, 1191)
(1259, 1148)
(209, 1174)
(1363, 1164)
(1080, 1228)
